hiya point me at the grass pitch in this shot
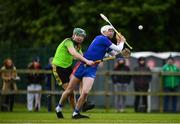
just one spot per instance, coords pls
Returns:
(96, 116)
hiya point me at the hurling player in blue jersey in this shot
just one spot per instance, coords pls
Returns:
(96, 51)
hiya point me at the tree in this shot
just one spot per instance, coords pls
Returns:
(38, 23)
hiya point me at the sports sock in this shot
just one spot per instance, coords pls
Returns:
(59, 108)
(76, 111)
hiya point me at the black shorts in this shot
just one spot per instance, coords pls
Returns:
(62, 75)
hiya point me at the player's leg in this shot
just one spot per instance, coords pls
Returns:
(87, 85)
(66, 77)
(68, 91)
(88, 105)
(62, 77)
(71, 97)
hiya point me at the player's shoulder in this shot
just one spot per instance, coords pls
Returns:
(67, 40)
(102, 38)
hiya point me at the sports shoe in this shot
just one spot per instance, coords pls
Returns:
(59, 114)
(87, 106)
(79, 116)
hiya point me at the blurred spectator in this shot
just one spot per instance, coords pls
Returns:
(141, 84)
(170, 85)
(121, 83)
(9, 77)
(34, 84)
(48, 84)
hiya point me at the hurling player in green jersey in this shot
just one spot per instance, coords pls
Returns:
(67, 50)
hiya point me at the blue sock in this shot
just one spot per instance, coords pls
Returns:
(76, 110)
(60, 105)
(59, 108)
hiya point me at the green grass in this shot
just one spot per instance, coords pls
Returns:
(21, 115)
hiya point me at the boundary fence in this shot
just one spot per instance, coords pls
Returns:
(105, 92)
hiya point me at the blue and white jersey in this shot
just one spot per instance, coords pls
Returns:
(98, 48)
(96, 51)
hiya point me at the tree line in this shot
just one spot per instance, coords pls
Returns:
(45, 23)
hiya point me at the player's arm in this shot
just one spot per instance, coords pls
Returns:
(80, 52)
(110, 52)
(120, 44)
(116, 48)
(75, 54)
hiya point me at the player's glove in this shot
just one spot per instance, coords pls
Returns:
(126, 53)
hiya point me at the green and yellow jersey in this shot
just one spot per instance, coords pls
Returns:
(62, 57)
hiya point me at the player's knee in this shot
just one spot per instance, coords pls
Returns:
(85, 94)
(69, 91)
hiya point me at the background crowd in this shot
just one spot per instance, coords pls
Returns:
(141, 83)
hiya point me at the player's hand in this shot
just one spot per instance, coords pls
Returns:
(89, 62)
(120, 38)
